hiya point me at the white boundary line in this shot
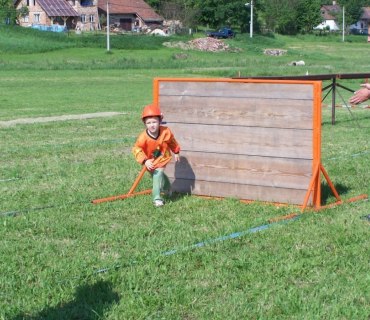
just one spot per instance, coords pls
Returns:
(14, 122)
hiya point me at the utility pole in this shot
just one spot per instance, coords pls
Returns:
(250, 4)
(343, 26)
(108, 41)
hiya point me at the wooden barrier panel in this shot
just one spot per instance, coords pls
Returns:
(249, 139)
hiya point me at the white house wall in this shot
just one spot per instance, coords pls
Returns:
(328, 23)
(89, 18)
(34, 11)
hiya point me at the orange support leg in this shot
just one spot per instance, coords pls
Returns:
(130, 193)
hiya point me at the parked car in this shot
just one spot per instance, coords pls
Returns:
(223, 33)
(363, 31)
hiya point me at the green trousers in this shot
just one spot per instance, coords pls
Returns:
(160, 183)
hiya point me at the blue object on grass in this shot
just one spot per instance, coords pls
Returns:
(227, 237)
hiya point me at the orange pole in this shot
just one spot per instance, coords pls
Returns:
(132, 189)
(130, 193)
(357, 198)
(286, 217)
(329, 206)
(331, 185)
(136, 182)
(156, 92)
(312, 182)
(121, 197)
(316, 200)
(353, 199)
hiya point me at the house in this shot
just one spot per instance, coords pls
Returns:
(363, 25)
(82, 14)
(329, 14)
(130, 15)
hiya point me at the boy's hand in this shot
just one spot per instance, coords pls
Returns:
(149, 164)
(177, 157)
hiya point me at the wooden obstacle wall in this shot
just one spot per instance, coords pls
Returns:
(248, 139)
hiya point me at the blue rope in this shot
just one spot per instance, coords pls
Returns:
(350, 156)
(233, 235)
(227, 237)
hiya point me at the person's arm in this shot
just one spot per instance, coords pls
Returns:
(138, 150)
(361, 95)
(175, 147)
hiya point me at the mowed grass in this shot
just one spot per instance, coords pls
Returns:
(65, 258)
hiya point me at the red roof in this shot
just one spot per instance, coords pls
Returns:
(138, 7)
(365, 13)
(329, 10)
(58, 8)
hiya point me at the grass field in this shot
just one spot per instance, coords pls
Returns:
(62, 257)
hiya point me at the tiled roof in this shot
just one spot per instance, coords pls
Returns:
(329, 10)
(138, 7)
(365, 13)
(58, 8)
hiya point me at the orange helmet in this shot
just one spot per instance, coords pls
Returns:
(151, 111)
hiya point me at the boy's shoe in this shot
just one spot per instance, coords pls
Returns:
(158, 203)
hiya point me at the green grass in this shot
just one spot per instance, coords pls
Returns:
(55, 243)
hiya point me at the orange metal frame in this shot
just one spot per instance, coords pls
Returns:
(129, 194)
(314, 187)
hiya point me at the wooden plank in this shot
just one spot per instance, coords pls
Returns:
(238, 111)
(275, 142)
(240, 169)
(270, 91)
(239, 191)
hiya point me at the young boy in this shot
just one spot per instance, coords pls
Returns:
(153, 149)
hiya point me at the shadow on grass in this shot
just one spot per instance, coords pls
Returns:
(184, 179)
(90, 302)
(326, 192)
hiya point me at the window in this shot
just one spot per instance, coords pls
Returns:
(86, 3)
(91, 18)
(36, 17)
(26, 19)
(83, 18)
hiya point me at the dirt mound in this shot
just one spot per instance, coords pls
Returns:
(201, 44)
(275, 52)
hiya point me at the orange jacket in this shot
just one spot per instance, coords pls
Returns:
(146, 145)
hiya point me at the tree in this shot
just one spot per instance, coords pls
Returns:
(235, 13)
(281, 15)
(353, 9)
(182, 10)
(291, 16)
(155, 4)
(308, 15)
(8, 14)
(23, 12)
